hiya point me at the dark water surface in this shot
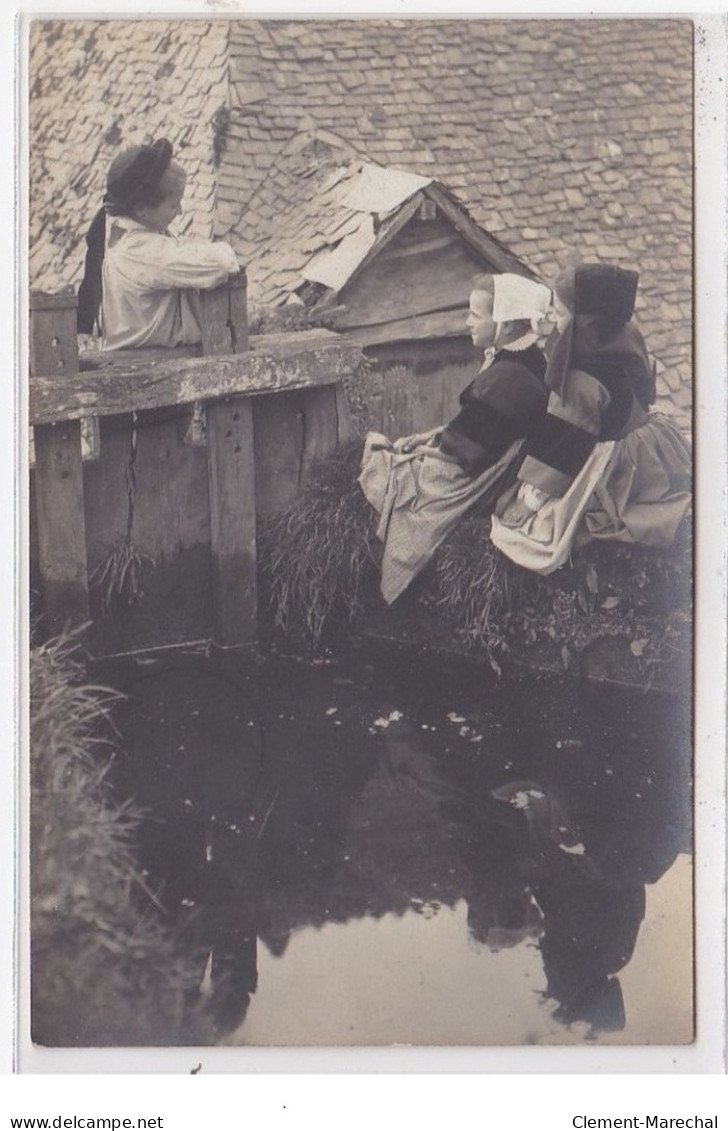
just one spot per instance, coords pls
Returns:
(397, 849)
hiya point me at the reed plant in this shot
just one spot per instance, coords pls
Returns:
(318, 558)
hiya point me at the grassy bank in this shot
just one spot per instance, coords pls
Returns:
(319, 563)
(104, 968)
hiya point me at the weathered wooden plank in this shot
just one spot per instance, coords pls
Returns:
(34, 575)
(274, 362)
(400, 249)
(146, 466)
(91, 360)
(232, 520)
(215, 321)
(105, 491)
(42, 300)
(278, 427)
(398, 398)
(344, 424)
(238, 288)
(320, 427)
(61, 525)
(90, 438)
(171, 485)
(453, 379)
(427, 410)
(224, 317)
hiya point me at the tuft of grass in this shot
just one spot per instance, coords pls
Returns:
(476, 588)
(104, 968)
(118, 577)
(318, 559)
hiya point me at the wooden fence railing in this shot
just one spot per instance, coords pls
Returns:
(154, 539)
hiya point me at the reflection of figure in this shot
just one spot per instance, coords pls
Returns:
(422, 484)
(589, 883)
(600, 465)
(560, 856)
(589, 934)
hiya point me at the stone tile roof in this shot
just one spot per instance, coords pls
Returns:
(562, 137)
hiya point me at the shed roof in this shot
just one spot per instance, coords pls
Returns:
(322, 214)
(561, 137)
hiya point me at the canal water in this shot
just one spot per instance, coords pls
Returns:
(382, 847)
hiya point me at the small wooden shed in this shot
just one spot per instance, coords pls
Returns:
(388, 258)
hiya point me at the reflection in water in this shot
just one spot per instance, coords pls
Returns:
(360, 853)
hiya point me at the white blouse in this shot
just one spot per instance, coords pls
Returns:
(150, 282)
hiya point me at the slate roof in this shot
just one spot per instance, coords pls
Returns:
(562, 137)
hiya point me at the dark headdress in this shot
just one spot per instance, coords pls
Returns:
(606, 292)
(599, 337)
(131, 177)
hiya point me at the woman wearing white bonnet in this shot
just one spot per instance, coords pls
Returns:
(515, 298)
(422, 485)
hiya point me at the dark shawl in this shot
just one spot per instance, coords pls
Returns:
(600, 339)
(501, 405)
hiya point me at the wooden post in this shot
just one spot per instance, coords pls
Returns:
(232, 520)
(58, 470)
(320, 428)
(61, 524)
(53, 340)
(344, 423)
(225, 318)
(238, 291)
(231, 468)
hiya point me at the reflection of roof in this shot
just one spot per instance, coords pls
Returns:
(559, 136)
(401, 858)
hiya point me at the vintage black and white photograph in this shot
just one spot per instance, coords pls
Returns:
(360, 524)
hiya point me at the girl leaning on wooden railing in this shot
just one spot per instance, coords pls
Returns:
(141, 283)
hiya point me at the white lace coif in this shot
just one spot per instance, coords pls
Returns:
(516, 297)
